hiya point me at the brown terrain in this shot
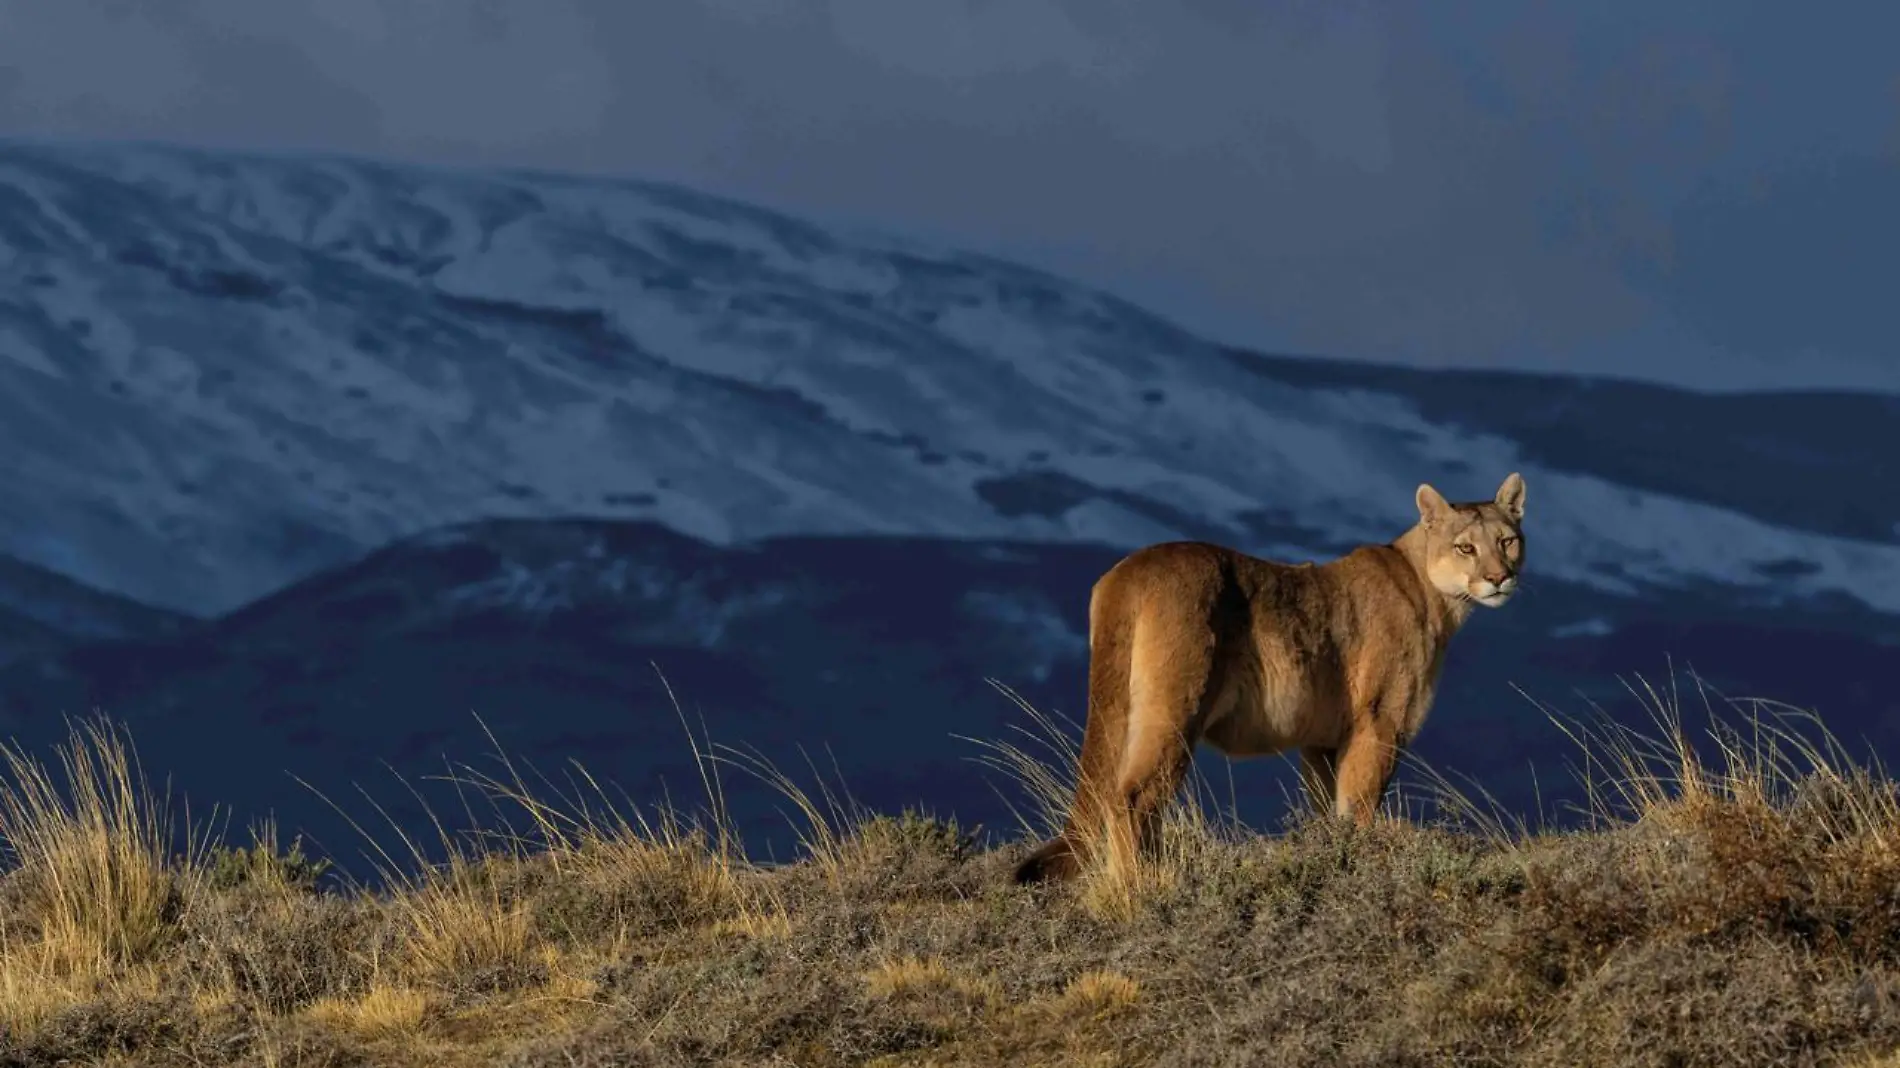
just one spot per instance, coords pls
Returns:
(1742, 911)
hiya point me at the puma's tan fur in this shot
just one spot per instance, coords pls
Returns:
(1192, 642)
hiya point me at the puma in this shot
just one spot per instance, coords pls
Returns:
(1191, 642)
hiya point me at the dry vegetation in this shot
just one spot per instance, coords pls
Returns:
(1745, 911)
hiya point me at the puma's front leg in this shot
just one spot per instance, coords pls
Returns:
(1365, 766)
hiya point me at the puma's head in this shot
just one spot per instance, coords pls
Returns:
(1474, 551)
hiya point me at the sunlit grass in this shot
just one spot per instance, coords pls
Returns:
(88, 847)
(576, 927)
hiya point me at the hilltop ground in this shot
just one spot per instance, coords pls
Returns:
(1743, 912)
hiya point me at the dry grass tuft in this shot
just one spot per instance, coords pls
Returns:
(382, 1012)
(93, 890)
(911, 975)
(92, 858)
(1100, 991)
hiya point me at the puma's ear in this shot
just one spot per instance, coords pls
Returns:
(1431, 503)
(1511, 496)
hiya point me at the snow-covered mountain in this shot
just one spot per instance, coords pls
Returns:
(412, 444)
(221, 374)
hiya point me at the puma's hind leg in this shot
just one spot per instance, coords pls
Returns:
(1170, 695)
(1150, 780)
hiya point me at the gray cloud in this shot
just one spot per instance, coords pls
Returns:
(1699, 191)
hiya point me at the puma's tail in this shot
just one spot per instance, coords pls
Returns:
(1064, 856)
(1055, 860)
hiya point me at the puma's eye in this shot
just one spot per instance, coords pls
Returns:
(1465, 549)
(1505, 543)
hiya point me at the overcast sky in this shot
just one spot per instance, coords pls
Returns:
(1707, 192)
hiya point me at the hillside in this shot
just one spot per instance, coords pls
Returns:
(43, 612)
(1738, 914)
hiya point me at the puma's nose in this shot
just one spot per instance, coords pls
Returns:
(1499, 579)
